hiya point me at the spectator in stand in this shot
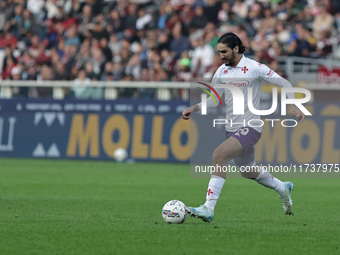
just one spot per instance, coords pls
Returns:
(8, 54)
(202, 57)
(115, 23)
(325, 44)
(9, 40)
(61, 73)
(173, 20)
(282, 34)
(68, 58)
(293, 49)
(253, 19)
(144, 19)
(234, 20)
(187, 16)
(125, 52)
(85, 22)
(163, 42)
(241, 9)
(180, 42)
(211, 36)
(36, 7)
(103, 43)
(98, 31)
(10, 64)
(98, 61)
(14, 24)
(217, 62)
(118, 70)
(80, 91)
(163, 18)
(27, 24)
(114, 44)
(274, 65)
(134, 67)
(46, 74)
(84, 54)
(275, 51)
(199, 20)
(131, 19)
(2, 16)
(128, 92)
(71, 35)
(183, 69)
(323, 21)
(303, 46)
(107, 74)
(52, 8)
(33, 49)
(168, 61)
(16, 76)
(211, 10)
(223, 13)
(90, 73)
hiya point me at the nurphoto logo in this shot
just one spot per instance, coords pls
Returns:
(238, 102)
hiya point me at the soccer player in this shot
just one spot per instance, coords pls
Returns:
(241, 139)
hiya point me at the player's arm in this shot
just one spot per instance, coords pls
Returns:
(195, 108)
(210, 101)
(272, 77)
(186, 113)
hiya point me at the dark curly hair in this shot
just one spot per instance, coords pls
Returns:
(232, 40)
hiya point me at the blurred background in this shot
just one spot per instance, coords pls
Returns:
(82, 78)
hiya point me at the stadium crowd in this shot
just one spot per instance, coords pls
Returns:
(157, 40)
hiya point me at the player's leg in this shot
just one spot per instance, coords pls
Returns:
(226, 151)
(250, 171)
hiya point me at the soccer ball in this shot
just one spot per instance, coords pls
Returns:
(120, 154)
(174, 211)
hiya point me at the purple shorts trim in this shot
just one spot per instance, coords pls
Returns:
(248, 137)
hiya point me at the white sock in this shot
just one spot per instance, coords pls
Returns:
(214, 189)
(267, 180)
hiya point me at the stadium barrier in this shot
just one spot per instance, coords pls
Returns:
(110, 88)
(151, 131)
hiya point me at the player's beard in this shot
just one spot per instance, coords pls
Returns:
(231, 60)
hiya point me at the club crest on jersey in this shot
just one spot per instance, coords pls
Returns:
(225, 71)
(244, 69)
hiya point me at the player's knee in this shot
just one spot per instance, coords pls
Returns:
(246, 165)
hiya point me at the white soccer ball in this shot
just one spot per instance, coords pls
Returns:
(174, 211)
(120, 154)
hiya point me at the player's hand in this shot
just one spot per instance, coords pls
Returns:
(186, 113)
(297, 112)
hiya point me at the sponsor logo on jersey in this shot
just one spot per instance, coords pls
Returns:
(239, 83)
(270, 73)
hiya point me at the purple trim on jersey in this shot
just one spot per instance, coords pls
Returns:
(248, 137)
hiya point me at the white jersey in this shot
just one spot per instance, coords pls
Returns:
(247, 74)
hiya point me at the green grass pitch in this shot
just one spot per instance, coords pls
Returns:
(86, 207)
